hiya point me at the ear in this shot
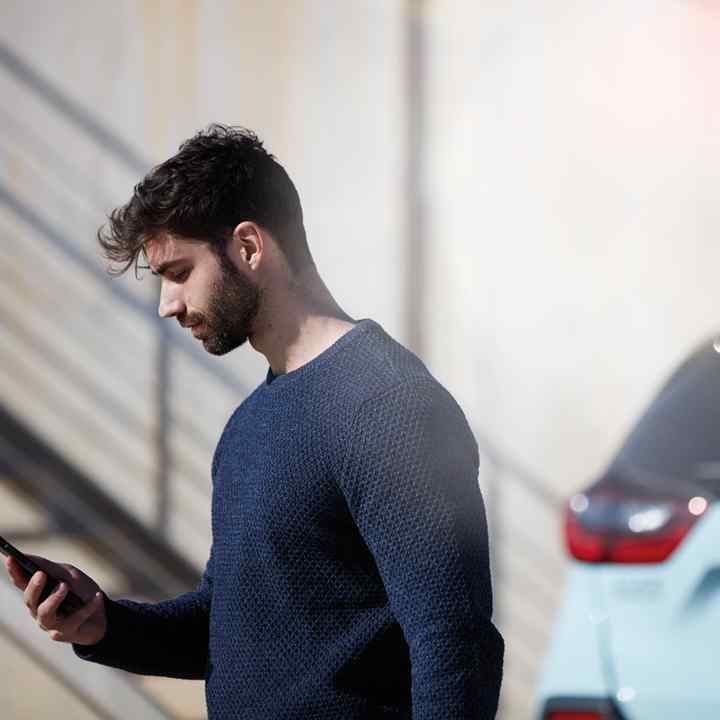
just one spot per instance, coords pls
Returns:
(247, 245)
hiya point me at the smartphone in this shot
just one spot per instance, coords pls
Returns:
(71, 602)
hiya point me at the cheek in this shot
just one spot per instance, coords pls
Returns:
(198, 297)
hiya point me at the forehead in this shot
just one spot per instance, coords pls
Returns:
(163, 247)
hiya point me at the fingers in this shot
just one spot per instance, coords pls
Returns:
(33, 591)
(62, 624)
(70, 625)
(17, 574)
(46, 616)
(8, 566)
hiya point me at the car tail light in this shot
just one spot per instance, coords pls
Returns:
(612, 526)
(584, 708)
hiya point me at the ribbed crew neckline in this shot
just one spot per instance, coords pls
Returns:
(360, 327)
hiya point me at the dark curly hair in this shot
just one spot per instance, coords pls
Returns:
(218, 178)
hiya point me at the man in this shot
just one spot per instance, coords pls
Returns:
(348, 575)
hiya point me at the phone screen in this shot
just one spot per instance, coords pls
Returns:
(71, 602)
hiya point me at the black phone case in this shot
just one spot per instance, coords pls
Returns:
(71, 602)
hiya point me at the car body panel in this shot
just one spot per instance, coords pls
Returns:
(575, 649)
(663, 622)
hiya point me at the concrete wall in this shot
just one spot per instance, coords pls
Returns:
(320, 82)
(574, 154)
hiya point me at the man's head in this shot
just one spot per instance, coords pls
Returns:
(209, 221)
(206, 290)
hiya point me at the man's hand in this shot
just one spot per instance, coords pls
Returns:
(85, 626)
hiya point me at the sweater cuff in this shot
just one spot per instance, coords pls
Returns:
(119, 621)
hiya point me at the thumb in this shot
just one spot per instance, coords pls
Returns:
(80, 616)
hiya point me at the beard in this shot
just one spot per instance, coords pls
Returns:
(232, 307)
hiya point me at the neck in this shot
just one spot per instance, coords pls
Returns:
(298, 322)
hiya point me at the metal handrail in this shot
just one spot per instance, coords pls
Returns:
(72, 111)
(132, 160)
(124, 154)
(143, 308)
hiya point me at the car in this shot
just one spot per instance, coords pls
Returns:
(637, 633)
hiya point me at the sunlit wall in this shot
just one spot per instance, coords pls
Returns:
(574, 155)
(567, 173)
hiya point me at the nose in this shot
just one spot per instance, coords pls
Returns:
(171, 303)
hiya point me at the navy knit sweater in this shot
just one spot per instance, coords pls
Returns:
(348, 576)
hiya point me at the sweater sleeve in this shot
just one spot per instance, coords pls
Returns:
(169, 638)
(410, 479)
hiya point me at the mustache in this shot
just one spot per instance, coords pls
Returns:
(193, 319)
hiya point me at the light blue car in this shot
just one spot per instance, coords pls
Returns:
(637, 635)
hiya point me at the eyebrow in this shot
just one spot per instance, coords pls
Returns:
(165, 266)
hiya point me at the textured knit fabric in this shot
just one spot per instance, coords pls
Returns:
(348, 576)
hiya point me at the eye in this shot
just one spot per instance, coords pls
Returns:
(180, 276)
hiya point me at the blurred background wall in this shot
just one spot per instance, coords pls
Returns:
(522, 192)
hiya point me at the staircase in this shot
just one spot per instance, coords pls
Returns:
(108, 421)
(40, 676)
